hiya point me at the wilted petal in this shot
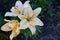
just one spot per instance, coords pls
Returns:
(15, 32)
(6, 27)
(37, 11)
(32, 29)
(36, 21)
(24, 24)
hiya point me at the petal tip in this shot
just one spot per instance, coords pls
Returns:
(18, 3)
(6, 14)
(42, 24)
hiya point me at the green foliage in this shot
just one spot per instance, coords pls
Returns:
(26, 32)
(58, 14)
(15, 18)
(1, 37)
(1, 19)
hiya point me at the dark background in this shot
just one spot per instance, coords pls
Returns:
(50, 15)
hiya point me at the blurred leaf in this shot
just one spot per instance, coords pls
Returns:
(58, 14)
(51, 26)
(5, 1)
(1, 19)
(1, 37)
(47, 2)
(15, 18)
(26, 32)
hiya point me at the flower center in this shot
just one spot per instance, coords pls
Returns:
(29, 19)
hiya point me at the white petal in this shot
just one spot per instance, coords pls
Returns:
(5, 27)
(12, 9)
(19, 6)
(26, 4)
(10, 14)
(11, 25)
(18, 3)
(28, 12)
(24, 24)
(32, 29)
(15, 10)
(37, 11)
(15, 32)
(37, 21)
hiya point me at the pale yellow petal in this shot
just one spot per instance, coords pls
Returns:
(15, 32)
(6, 27)
(12, 23)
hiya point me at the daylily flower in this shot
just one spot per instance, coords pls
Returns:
(12, 25)
(29, 18)
(17, 9)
